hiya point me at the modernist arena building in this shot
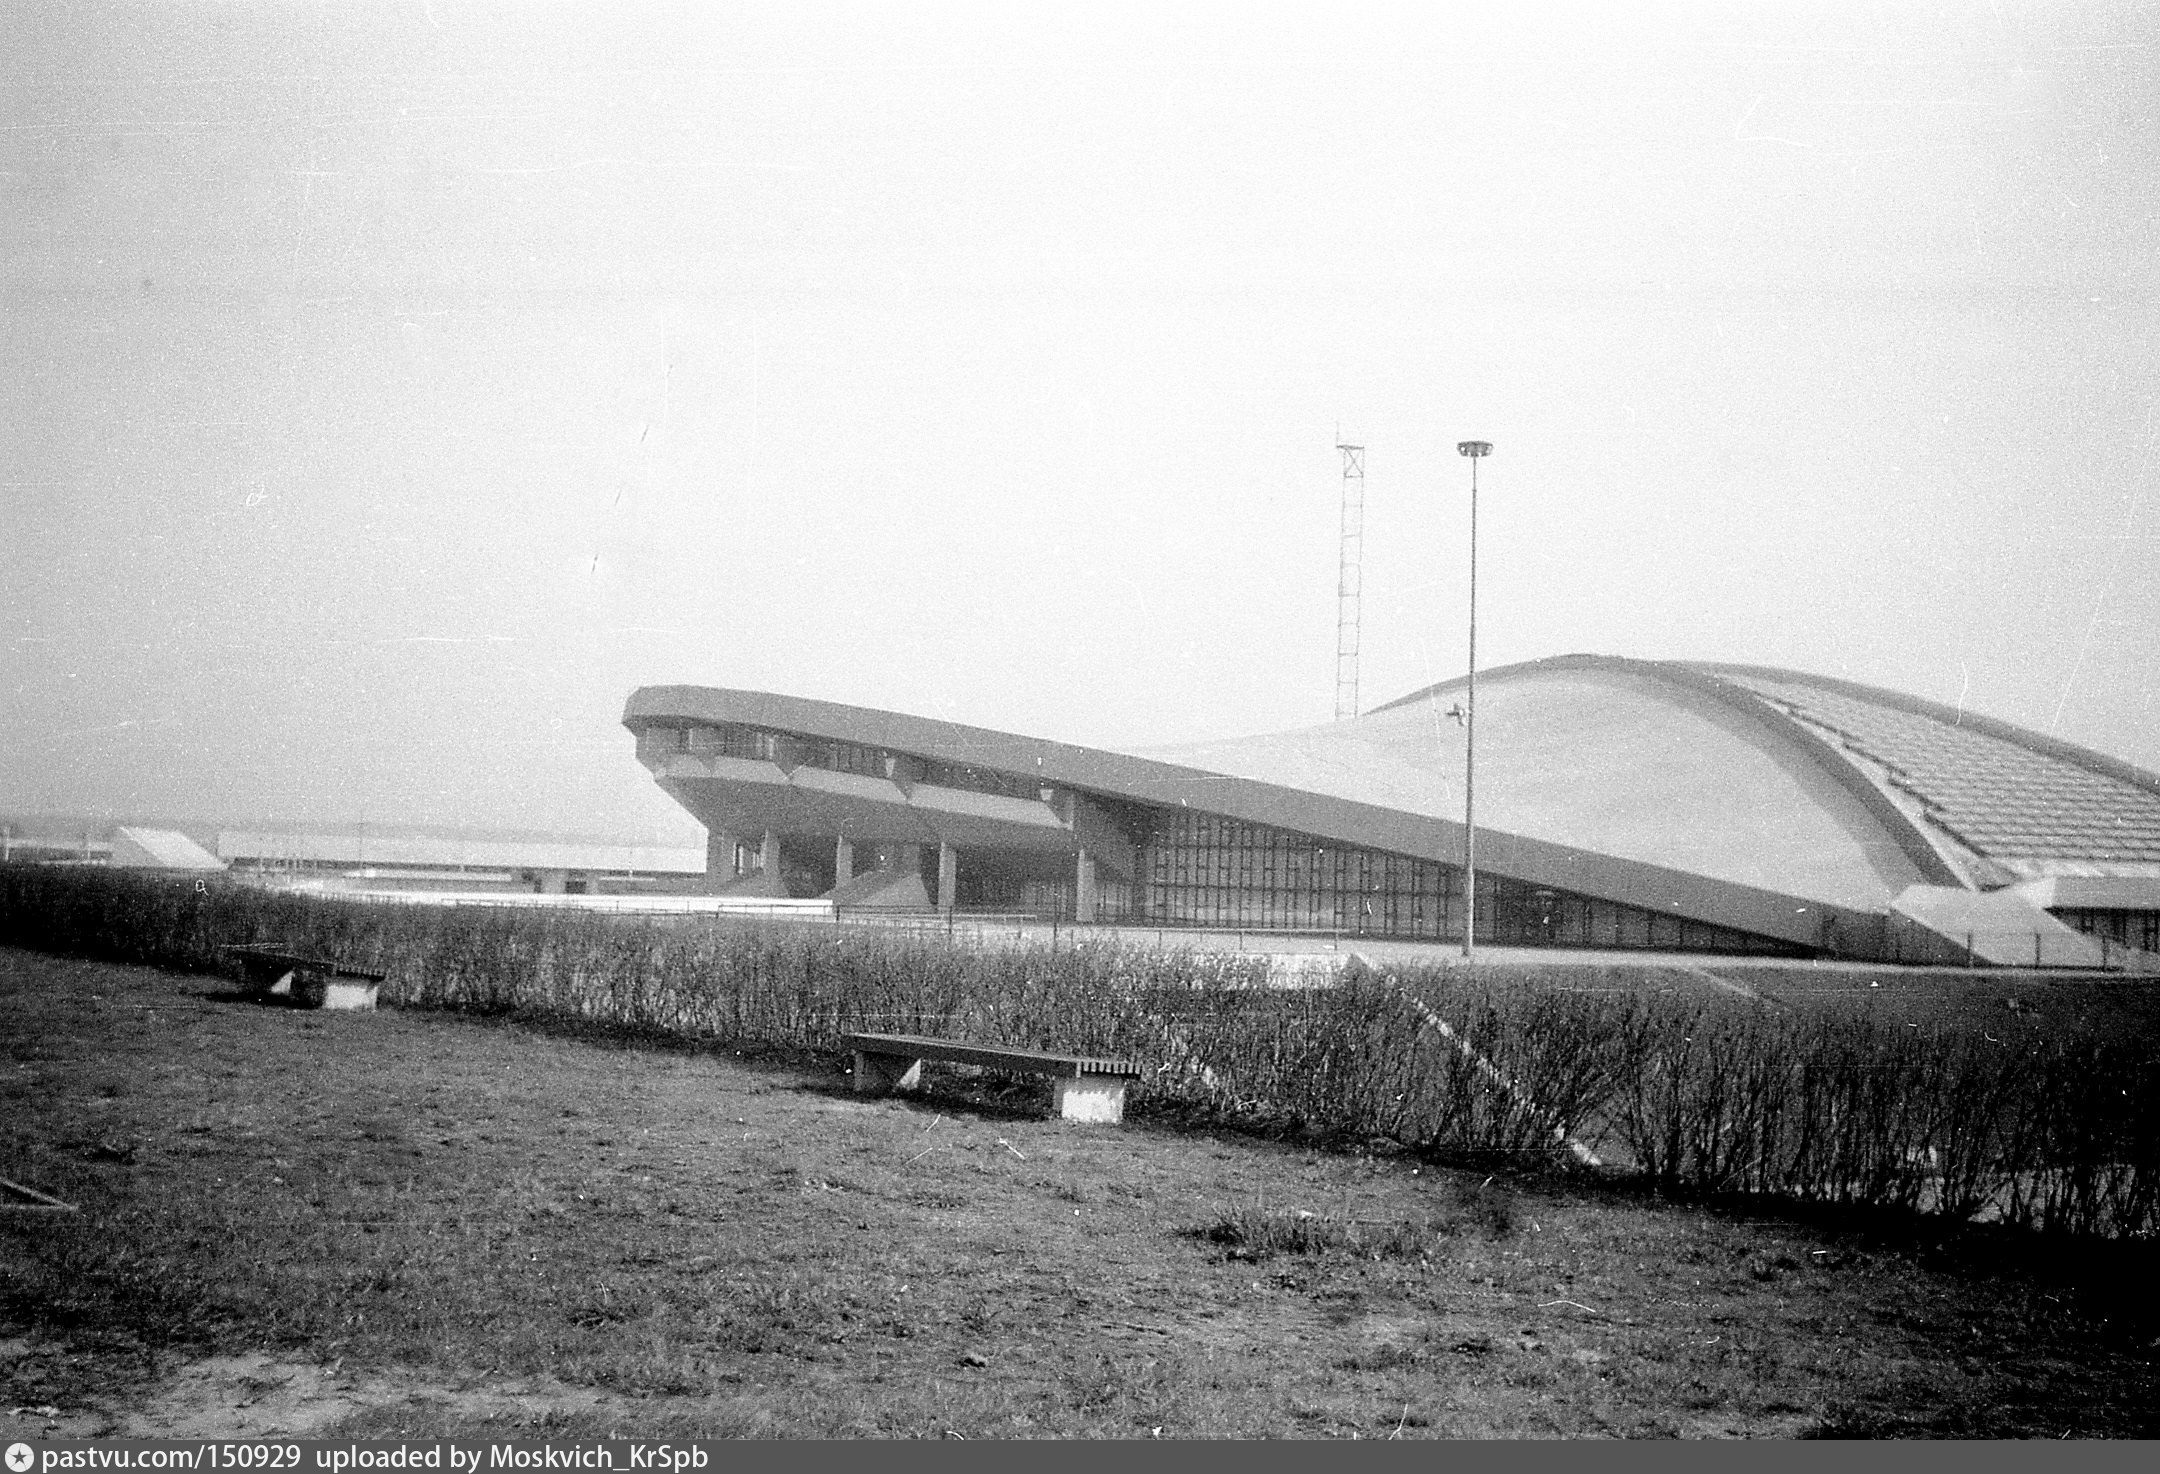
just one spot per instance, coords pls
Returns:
(1667, 805)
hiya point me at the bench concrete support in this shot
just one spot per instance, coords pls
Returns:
(318, 990)
(879, 1074)
(1096, 1098)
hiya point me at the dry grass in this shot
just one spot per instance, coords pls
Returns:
(661, 1238)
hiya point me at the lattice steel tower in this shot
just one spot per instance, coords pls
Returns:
(1349, 580)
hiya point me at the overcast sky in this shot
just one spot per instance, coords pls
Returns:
(388, 390)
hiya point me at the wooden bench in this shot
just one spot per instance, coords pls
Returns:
(1087, 1088)
(272, 970)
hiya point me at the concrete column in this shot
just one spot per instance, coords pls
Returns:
(719, 859)
(769, 862)
(948, 876)
(1085, 904)
(843, 863)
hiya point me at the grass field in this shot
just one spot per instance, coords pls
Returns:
(415, 1222)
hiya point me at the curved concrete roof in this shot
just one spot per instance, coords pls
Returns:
(1619, 758)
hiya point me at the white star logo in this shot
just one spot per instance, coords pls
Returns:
(20, 1456)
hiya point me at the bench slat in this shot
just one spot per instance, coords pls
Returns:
(989, 1056)
(277, 956)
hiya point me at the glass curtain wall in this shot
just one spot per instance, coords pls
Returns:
(1202, 870)
(1206, 871)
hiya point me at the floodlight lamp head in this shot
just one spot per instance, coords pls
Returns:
(1473, 448)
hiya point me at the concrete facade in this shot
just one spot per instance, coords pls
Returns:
(1621, 802)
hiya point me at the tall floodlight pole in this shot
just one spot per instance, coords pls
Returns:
(1476, 450)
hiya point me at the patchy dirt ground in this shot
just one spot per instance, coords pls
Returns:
(410, 1223)
(258, 1395)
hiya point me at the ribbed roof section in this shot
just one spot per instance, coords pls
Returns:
(2022, 801)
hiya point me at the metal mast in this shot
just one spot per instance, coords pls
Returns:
(1476, 450)
(1349, 580)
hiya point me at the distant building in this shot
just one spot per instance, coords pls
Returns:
(159, 849)
(1621, 803)
(24, 845)
(390, 862)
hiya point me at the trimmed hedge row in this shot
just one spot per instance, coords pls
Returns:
(1703, 1095)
